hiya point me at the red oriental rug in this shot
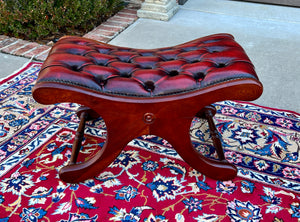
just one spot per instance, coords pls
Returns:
(148, 182)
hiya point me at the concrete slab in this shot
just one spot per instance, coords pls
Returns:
(245, 9)
(269, 34)
(9, 64)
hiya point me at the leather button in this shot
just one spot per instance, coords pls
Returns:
(149, 86)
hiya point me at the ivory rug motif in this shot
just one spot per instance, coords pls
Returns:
(148, 182)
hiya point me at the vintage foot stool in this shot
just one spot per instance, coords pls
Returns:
(139, 92)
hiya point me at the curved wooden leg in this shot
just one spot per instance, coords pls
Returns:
(84, 113)
(180, 139)
(78, 137)
(118, 135)
(208, 113)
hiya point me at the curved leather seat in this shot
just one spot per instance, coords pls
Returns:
(147, 91)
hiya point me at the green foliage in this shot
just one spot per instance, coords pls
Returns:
(34, 19)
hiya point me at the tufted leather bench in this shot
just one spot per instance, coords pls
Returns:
(147, 91)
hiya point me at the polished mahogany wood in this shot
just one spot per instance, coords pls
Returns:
(208, 113)
(147, 92)
(78, 137)
(125, 120)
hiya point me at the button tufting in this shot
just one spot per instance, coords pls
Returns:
(147, 72)
(125, 69)
(149, 85)
(195, 60)
(220, 65)
(146, 62)
(75, 68)
(101, 59)
(125, 74)
(199, 75)
(101, 80)
(173, 73)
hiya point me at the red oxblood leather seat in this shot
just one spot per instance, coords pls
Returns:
(153, 91)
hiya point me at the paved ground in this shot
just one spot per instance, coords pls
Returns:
(10, 63)
(269, 34)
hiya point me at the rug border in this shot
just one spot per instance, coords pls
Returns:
(267, 107)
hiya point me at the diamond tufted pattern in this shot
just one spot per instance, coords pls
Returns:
(131, 72)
